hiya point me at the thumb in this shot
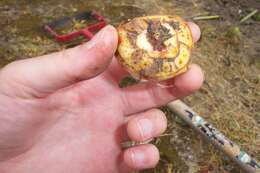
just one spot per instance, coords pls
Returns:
(37, 77)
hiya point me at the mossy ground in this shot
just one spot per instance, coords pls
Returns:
(228, 52)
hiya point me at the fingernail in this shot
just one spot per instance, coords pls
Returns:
(138, 158)
(145, 128)
(101, 36)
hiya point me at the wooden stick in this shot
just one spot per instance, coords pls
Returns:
(213, 135)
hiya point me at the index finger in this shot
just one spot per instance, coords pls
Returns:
(143, 96)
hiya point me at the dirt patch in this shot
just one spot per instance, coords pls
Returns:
(228, 52)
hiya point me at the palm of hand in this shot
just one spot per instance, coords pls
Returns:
(72, 128)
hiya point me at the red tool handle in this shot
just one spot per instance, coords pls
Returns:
(86, 32)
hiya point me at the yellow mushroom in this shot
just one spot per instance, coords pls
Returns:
(155, 47)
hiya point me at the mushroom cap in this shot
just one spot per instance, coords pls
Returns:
(155, 47)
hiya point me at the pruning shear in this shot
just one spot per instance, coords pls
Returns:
(87, 32)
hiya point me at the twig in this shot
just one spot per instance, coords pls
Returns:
(194, 3)
(129, 144)
(213, 17)
(165, 135)
(248, 16)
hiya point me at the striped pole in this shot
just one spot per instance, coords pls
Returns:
(213, 135)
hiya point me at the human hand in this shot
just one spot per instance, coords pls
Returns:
(64, 112)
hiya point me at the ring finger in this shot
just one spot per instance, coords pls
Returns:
(146, 125)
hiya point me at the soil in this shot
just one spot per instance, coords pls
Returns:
(228, 52)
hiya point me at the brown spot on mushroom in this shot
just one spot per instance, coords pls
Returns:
(157, 34)
(175, 25)
(132, 35)
(154, 68)
(137, 56)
